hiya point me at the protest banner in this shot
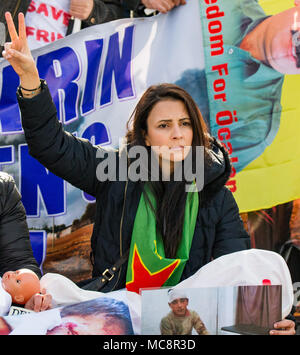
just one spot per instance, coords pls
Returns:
(97, 76)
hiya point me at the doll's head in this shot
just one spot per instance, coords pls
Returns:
(21, 285)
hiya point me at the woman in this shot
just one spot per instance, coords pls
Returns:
(177, 230)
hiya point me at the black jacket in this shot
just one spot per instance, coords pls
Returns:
(15, 247)
(219, 229)
(103, 11)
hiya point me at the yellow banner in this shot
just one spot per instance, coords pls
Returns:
(274, 177)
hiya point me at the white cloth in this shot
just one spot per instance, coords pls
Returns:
(5, 300)
(46, 21)
(34, 323)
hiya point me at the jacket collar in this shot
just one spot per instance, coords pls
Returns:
(217, 170)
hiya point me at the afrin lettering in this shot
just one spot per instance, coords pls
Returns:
(55, 67)
(10, 120)
(43, 35)
(119, 65)
(64, 63)
(37, 184)
(93, 53)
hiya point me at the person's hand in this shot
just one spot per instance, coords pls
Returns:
(284, 327)
(39, 302)
(81, 9)
(179, 2)
(162, 6)
(17, 51)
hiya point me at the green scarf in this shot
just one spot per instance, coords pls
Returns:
(147, 265)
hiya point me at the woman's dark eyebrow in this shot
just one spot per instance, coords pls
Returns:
(169, 120)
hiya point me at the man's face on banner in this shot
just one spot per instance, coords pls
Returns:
(281, 40)
(179, 306)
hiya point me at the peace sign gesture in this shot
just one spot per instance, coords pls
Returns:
(18, 54)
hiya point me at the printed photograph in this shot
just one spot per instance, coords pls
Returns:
(250, 310)
(179, 311)
(100, 316)
(256, 309)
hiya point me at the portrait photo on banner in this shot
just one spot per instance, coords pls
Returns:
(99, 316)
(248, 310)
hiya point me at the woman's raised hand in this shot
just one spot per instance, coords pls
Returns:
(18, 54)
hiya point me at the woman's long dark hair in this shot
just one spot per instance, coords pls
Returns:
(170, 196)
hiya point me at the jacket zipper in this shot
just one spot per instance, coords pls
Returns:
(121, 236)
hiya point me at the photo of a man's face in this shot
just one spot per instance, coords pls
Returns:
(99, 324)
(101, 316)
(179, 306)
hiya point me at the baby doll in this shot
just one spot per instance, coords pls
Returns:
(20, 285)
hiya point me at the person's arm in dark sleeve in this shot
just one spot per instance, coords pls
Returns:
(132, 4)
(104, 11)
(15, 247)
(230, 233)
(71, 158)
